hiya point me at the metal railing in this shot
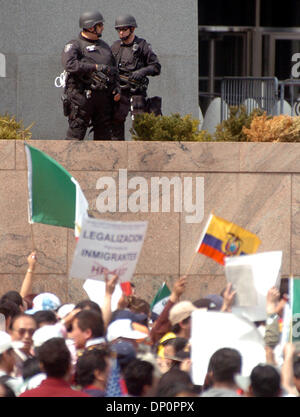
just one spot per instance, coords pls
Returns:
(253, 92)
(288, 93)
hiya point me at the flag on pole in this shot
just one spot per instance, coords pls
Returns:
(55, 197)
(221, 238)
(294, 290)
(161, 298)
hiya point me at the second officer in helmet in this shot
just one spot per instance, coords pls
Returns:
(136, 61)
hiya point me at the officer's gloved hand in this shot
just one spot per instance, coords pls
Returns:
(116, 93)
(103, 68)
(137, 75)
(117, 90)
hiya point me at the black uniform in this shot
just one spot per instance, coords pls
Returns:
(137, 56)
(84, 105)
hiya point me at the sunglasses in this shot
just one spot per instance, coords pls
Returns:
(122, 29)
(22, 332)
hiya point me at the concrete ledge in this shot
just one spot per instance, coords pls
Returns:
(256, 185)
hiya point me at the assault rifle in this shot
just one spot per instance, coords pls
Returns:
(96, 81)
(127, 83)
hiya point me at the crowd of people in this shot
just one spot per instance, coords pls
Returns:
(50, 349)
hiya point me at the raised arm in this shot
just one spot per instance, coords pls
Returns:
(110, 285)
(26, 287)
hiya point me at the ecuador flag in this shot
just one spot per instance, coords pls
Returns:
(221, 238)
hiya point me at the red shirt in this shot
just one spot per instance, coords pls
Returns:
(54, 387)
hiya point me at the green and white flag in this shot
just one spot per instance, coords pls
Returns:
(55, 197)
(160, 300)
(295, 308)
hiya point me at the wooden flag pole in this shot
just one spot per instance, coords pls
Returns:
(191, 263)
(31, 225)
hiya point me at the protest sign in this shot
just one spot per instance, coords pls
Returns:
(108, 247)
(96, 292)
(212, 331)
(252, 276)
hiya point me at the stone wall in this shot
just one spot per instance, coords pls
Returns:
(255, 185)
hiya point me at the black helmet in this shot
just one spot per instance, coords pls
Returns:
(125, 21)
(88, 20)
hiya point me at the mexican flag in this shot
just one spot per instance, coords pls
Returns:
(55, 197)
(160, 299)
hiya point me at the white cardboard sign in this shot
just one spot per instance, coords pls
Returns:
(252, 276)
(212, 331)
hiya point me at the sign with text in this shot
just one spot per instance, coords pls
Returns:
(108, 247)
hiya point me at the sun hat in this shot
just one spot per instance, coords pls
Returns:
(181, 311)
(44, 301)
(125, 328)
(45, 333)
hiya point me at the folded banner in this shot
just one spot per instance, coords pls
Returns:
(161, 298)
(221, 238)
(55, 197)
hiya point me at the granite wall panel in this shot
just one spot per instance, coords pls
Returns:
(237, 186)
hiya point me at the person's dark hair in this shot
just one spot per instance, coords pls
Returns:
(176, 327)
(91, 319)
(16, 317)
(296, 367)
(205, 303)
(45, 316)
(31, 367)
(9, 309)
(178, 343)
(88, 363)
(29, 300)
(137, 374)
(169, 379)
(8, 391)
(13, 296)
(138, 305)
(88, 305)
(55, 357)
(224, 364)
(178, 387)
(265, 381)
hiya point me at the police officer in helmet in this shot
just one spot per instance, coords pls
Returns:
(92, 82)
(136, 61)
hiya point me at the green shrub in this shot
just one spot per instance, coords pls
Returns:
(231, 130)
(11, 129)
(148, 127)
